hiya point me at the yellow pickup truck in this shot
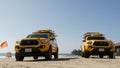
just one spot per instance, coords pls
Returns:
(39, 43)
(94, 43)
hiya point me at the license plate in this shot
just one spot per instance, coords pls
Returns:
(28, 50)
(102, 50)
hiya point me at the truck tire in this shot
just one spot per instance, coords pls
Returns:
(111, 55)
(35, 57)
(49, 54)
(86, 54)
(18, 57)
(100, 56)
(82, 54)
(56, 55)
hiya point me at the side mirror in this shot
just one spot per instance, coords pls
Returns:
(83, 40)
(17, 42)
(52, 38)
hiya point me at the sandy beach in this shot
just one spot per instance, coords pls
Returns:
(62, 62)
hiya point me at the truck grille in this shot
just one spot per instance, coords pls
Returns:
(29, 42)
(101, 44)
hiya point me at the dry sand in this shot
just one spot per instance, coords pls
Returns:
(63, 62)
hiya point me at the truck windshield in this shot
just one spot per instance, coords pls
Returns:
(96, 38)
(37, 36)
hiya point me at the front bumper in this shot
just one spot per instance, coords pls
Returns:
(30, 52)
(98, 51)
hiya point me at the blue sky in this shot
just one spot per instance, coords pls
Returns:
(70, 19)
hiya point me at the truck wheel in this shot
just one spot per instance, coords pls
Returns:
(86, 54)
(48, 55)
(111, 55)
(35, 57)
(18, 57)
(82, 54)
(56, 55)
(100, 56)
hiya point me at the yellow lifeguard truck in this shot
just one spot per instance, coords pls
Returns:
(94, 43)
(39, 43)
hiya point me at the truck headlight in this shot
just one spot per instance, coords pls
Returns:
(44, 41)
(17, 47)
(90, 46)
